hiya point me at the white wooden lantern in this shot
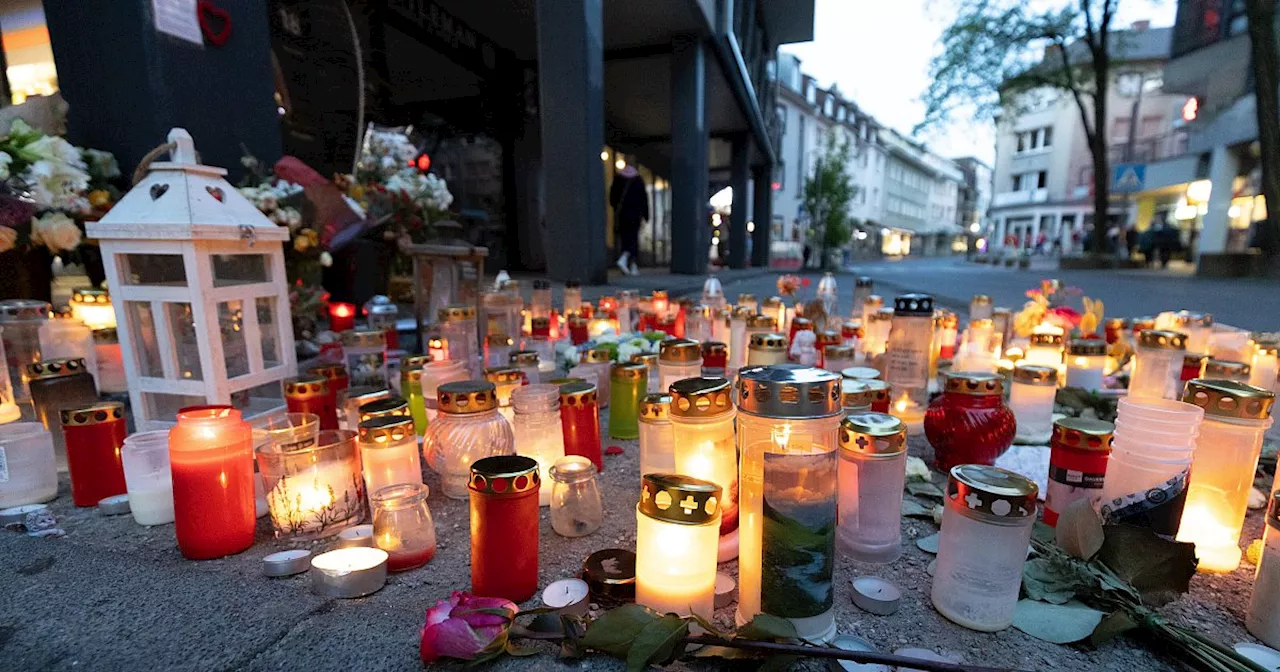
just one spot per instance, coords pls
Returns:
(198, 283)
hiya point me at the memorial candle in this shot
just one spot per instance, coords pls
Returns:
(94, 435)
(1086, 360)
(702, 423)
(389, 453)
(211, 456)
(679, 358)
(403, 527)
(677, 527)
(580, 421)
(503, 493)
(311, 394)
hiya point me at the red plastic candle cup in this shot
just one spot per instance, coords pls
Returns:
(94, 435)
(580, 420)
(311, 394)
(342, 316)
(578, 333)
(715, 355)
(1078, 455)
(882, 395)
(969, 423)
(336, 376)
(211, 457)
(1192, 367)
(503, 492)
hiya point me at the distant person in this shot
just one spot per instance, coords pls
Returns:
(1131, 240)
(630, 201)
(806, 253)
(1168, 241)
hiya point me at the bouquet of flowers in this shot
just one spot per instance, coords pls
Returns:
(394, 188)
(621, 348)
(789, 284)
(1048, 305)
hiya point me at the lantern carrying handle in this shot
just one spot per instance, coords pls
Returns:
(181, 149)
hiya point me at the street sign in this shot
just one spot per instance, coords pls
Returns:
(1128, 178)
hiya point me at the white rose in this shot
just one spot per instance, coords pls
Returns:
(326, 259)
(54, 148)
(55, 184)
(8, 238)
(917, 470)
(55, 231)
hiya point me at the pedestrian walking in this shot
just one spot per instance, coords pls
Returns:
(630, 201)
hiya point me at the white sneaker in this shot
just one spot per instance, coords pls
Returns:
(622, 264)
(634, 270)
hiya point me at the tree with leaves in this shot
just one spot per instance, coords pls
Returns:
(828, 193)
(997, 51)
(1266, 73)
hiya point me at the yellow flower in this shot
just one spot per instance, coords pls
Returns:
(356, 191)
(99, 198)
(306, 239)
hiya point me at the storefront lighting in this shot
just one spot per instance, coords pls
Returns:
(1199, 191)
(1233, 211)
(604, 155)
(620, 163)
(715, 240)
(715, 219)
(751, 226)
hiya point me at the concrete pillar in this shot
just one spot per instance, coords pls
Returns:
(1223, 167)
(762, 215)
(738, 168)
(571, 95)
(689, 139)
(998, 229)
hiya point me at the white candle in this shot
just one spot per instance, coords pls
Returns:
(349, 572)
(569, 596)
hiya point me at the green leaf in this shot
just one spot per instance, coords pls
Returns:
(1056, 623)
(1042, 532)
(1079, 531)
(658, 643)
(1048, 580)
(913, 509)
(929, 544)
(613, 631)
(1115, 624)
(709, 627)
(925, 490)
(1159, 569)
(767, 628)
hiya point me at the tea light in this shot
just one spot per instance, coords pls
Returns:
(1086, 360)
(910, 413)
(875, 595)
(569, 596)
(17, 514)
(357, 536)
(114, 505)
(349, 572)
(287, 563)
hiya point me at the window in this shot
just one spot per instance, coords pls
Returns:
(28, 54)
(1034, 139)
(781, 113)
(1022, 142)
(1120, 129)
(1151, 125)
(1041, 178)
(1047, 136)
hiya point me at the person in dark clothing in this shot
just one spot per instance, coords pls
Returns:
(1168, 242)
(629, 199)
(1131, 239)
(808, 252)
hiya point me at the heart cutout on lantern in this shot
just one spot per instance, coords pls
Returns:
(215, 22)
(157, 190)
(215, 192)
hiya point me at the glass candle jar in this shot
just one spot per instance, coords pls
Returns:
(1078, 454)
(504, 527)
(458, 329)
(317, 491)
(766, 350)
(54, 385)
(580, 421)
(738, 337)
(1236, 415)
(403, 527)
(1086, 361)
(148, 477)
(980, 307)
(572, 297)
(311, 394)
(629, 382)
(411, 392)
(63, 337)
(342, 316)
(697, 324)
(775, 309)
(389, 453)
(837, 358)
(877, 327)
(1263, 619)
(576, 507)
(748, 301)
(1002, 326)
(969, 423)
(380, 315)
(468, 428)
(856, 396)
(538, 431)
(628, 303)
(26, 448)
(872, 473)
(527, 361)
(211, 457)
(657, 438)
(677, 528)
(595, 367)
(20, 322)
(505, 381)
(9, 410)
(986, 527)
(435, 374)
(1031, 400)
(497, 350)
(863, 287)
(1045, 349)
(678, 359)
(365, 352)
(1157, 365)
(357, 397)
(653, 378)
(702, 424)
(94, 435)
(1150, 465)
(787, 435)
(540, 341)
(1221, 369)
(540, 299)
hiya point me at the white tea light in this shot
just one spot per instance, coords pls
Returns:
(287, 563)
(875, 595)
(359, 536)
(17, 514)
(726, 590)
(569, 596)
(349, 572)
(114, 505)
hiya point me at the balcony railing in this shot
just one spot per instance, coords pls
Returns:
(1009, 198)
(1149, 150)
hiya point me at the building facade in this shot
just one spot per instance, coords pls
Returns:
(975, 195)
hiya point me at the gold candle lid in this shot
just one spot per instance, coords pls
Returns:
(881, 315)
(414, 361)
(768, 342)
(837, 352)
(855, 393)
(655, 408)
(1163, 340)
(577, 395)
(877, 434)
(1086, 347)
(1001, 312)
(411, 376)
(874, 300)
(53, 368)
(992, 490)
(330, 371)
(93, 414)
(381, 408)
(828, 337)
(306, 387)
(1031, 374)
(1229, 399)
(90, 295)
(504, 475)
(504, 375)
(879, 388)
(628, 371)
(701, 398)
(1223, 368)
(464, 397)
(1186, 318)
(363, 394)
(980, 300)
(714, 349)
(679, 499)
(596, 356)
(658, 294)
(1047, 338)
(1271, 348)
(23, 310)
(772, 303)
(364, 338)
(456, 313)
(646, 358)
(1083, 434)
(503, 340)
(385, 429)
(742, 312)
(974, 383)
(860, 373)
(524, 358)
(679, 350)
(746, 298)
(788, 391)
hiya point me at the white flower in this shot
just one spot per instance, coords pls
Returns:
(55, 184)
(55, 231)
(54, 148)
(626, 350)
(101, 164)
(917, 470)
(8, 238)
(608, 336)
(5, 160)
(326, 259)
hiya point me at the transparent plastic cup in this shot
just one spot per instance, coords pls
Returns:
(1159, 410)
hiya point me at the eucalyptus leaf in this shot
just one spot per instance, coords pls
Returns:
(764, 627)
(1159, 569)
(1079, 530)
(658, 643)
(1114, 625)
(913, 509)
(614, 630)
(1056, 623)
(928, 544)
(1047, 580)
(925, 489)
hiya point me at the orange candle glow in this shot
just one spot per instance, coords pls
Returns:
(211, 457)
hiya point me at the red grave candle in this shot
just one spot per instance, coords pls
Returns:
(1192, 367)
(211, 457)
(580, 420)
(94, 435)
(1078, 455)
(504, 527)
(881, 393)
(578, 333)
(715, 355)
(342, 316)
(336, 376)
(969, 423)
(312, 394)
(799, 324)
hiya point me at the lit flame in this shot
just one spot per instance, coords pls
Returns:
(342, 310)
(782, 436)
(903, 403)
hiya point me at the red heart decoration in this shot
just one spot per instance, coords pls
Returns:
(210, 15)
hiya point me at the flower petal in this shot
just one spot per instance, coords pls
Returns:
(440, 613)
(450, 639)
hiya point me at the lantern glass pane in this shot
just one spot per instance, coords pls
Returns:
(260, 399)
(235, 350)
(142, 326)
(186, 347)
(164, 406)
(267, 331)
(240, 269)
(164, 270)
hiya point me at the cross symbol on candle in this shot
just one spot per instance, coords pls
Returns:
(644, 495)
(689, 505)
(863, 442)
(973, 500)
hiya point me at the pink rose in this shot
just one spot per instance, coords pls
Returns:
(466, 627)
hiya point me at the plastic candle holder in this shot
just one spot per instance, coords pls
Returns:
(357, 397)
(538, 430)
(411, 392)
(468, 428)
(1198, 328)
(310, 394)
(969, 423)
(871, 305)
(497, 350)
(579, 332)
(595, 368)
(986, 527)
(1031, 399)
(702, 424)
(1078, 455)
(788, 417)
(1086, 362)
(855, 396)
(571, 298)
(1045, 349)
(715, 359)
(503, 493)
(20, 322)
(92, 307)
(1222, 369)
(1157, 365)
(1236, 415)
(580, 421)
(32, 474)
(738, 336)
(679, 358)
(837, 358)
(1150, 465)
(211, 457)
(878, 326)
(766, 350)
(677, 530)
(94, 435)
(657, 438)
(64, 337)
(145, 458)
(576, 507)
(54, 385)
(629, 382)
(365, 352)
(873, 455)
(314, 492)
(403, 527)
(1266, 366)
(1263, 619)
(389, 453)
